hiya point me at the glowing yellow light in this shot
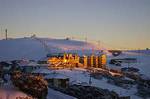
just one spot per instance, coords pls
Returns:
(65, 60)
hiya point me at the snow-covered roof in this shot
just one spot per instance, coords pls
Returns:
(145, 77)
(43, 71)
(56, 75)
(32, 64)
(114, 67)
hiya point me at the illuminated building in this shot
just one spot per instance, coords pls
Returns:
(70, 60)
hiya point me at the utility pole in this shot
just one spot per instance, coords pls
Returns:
(86, 39)
(1, 33)
(90, 79)
(99, 44)
(6, 34)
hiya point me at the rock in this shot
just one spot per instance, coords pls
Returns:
(90, 92)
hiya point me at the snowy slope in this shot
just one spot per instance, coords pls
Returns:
(20, 48)
(9, 91)
(52, 94)
(81, 76)
(141, 51)
(143, 61)
(31, 48)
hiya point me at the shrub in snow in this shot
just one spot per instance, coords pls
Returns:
(35, 86)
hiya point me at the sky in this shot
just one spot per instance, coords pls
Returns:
(116, 23)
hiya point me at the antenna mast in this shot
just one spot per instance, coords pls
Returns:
(6, 34)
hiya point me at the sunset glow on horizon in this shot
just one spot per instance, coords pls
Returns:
(119, 23)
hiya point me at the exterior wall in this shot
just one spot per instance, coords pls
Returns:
(77, 58)
(59, 83)
(99, 62)
(102, 61)
(90, 62)
(56, 83)
(54, 60)
(27, 69)
(83, 61)
(74, 60)
(66, 59)
(95, 61)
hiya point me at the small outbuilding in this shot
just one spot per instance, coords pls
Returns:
(57, 80)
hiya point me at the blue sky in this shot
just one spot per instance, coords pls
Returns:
(119, 23)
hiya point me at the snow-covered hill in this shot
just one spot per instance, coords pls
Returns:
(32, 48)
(38, 48)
